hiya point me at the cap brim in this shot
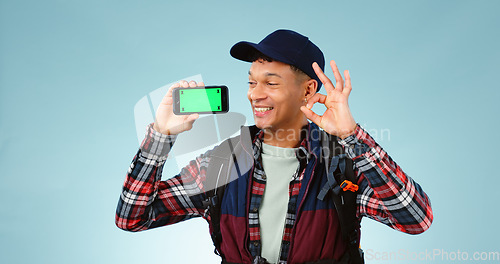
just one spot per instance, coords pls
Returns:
(243, 51)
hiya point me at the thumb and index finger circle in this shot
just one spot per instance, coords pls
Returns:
(311, 115)
(316, 98)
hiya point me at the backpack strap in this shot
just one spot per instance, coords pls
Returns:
(222, 159)
(218, 177)
(340, 169)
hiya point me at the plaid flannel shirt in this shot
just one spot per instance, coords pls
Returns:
(386, 193)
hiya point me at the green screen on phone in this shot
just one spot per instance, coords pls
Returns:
(200, 100)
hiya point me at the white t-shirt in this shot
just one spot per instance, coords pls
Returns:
(279, 166)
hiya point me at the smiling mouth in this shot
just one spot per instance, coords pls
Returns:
(263, 109)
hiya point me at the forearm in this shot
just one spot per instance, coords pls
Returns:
(146, 201)
(386, 194)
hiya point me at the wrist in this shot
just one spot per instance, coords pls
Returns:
(157, 129)
(348, 133)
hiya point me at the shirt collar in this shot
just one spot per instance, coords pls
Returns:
(303, 152)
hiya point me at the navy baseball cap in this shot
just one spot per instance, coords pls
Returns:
(286, 46)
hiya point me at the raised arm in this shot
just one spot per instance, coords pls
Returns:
(386, 193)
(148, 202)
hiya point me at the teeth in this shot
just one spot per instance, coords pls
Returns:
(263, 109)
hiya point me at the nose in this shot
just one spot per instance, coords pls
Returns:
(257, 93)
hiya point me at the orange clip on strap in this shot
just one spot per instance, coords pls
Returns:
(348, 186)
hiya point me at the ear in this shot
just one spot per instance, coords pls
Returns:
(311, 86)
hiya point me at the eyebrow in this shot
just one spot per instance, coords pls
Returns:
(268, 74)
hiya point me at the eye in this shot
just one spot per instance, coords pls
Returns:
(272, 84)
(252, 83)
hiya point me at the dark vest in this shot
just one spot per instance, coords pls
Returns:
(316, 234)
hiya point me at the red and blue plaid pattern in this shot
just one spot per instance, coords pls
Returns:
(386, 193)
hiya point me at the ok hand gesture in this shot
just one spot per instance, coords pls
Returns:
(337, 119)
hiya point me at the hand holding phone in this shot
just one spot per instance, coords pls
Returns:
(166, 122)
(200, 100)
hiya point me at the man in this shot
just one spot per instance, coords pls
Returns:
(271, 212)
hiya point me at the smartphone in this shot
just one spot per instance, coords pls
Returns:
(201, 100)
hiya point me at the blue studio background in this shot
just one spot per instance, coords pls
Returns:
(424, 77)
